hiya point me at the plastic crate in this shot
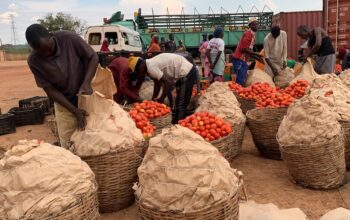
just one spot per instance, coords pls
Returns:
(7, 124)
(28, 115)
(38, 101)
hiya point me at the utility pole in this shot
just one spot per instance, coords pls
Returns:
(13, 28)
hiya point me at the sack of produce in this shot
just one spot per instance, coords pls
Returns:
(284, 77)
(103, 82)
(112, 145)
(258, 76)
(184, 177)
(307, 73)
(263, 124)
(42, 181)
(312, 145)
(345, 77)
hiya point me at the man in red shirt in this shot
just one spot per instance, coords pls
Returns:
(244, 52)
(128, 83)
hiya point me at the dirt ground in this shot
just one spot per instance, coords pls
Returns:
(266, 181)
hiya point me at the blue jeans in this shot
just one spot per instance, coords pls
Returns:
(241, 68)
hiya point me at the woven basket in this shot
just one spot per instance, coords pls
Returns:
(222, 210)
(161, 122)
(245, 104)
(345, 125)
(263, 124)
(53, 127)
(115, 175)
(226, 146)
(7, 124)
(316, 165)
(238, 136)
(28, 115)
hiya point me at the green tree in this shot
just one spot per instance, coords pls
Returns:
(63, 21)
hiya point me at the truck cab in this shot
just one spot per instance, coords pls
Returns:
(120, 38)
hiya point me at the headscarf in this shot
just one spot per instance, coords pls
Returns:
(218, 31)
(154, 46)
(105, 45)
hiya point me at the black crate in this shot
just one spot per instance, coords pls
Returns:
(38, 101)
(7, 124)
(28, 115)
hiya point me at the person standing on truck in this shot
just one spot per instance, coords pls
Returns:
(162, 44)
(216, 56)
(275, 50)
(244, 52)
(154, 47)
(127, 81)
(105, 45)
(170, 46)
(63, 65)
(181, 47)
(168, 70)
(321, 45)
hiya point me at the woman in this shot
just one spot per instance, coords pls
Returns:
(154, 46)
(105, 45)
(204, 60)
(216, 56)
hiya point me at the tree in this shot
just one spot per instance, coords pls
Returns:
(63, 21)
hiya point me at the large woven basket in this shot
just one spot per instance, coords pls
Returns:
(316, 165)
(115, 175)
(86, 208)
(223, 210)
(246, 104)
(263, 124)
(345, 125)
(161, 122)
(226, 146)
(238, 136)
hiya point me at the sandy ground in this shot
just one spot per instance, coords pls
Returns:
(266, 181)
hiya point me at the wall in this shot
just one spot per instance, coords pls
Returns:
(290, 21)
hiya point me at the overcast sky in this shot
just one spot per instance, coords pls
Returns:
(27, 12)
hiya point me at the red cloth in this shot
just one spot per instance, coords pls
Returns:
(125, 88)
(247, 41)
(154, 46)
(104, 47)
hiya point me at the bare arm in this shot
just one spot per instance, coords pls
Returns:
(166, 89)
(156, 89)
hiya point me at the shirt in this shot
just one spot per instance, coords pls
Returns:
(247, 41)
(169, 66)
(121, 74)
(66, 69)
(216, 45)
(276, 48)
(170, 46)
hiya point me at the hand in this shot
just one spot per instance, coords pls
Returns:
(159, 100)
(81, 115)
(85, 89)
(284, 65)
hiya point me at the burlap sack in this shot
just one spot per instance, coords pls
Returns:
(103, 82)
(258, 75)
(183, 172)
(284, 77)
(307, 73)
(297, 68)
(146, 90)
(108, 127)
(308, 121)
(345, 77)
(38, 179)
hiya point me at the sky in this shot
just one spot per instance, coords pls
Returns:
(26, 12)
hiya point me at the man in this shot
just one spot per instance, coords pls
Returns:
(244, 52)
(321, 45)
(275, 50)
(63, 65)
(170, 46)
(127, 82)
(216, 56)
(168, 70)
(181, 47)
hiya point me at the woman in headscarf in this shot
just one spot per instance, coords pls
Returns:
(216, 56)
(105, 45)
(154, 46)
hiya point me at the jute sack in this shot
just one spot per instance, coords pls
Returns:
(103, 82)
(284, 77)
(345, 77)
(183, 176)
(42, 181)
(312, 144)
(307, 73)
(258, 75)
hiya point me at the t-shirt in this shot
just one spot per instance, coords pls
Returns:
(216, 45)
(247, 41)
(170, 66)
(66, 69)
(276, 48)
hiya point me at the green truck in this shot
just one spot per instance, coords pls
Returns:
(189, 28)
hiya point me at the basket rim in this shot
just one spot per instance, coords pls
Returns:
(251, 112)
(222, 138)
(314, 144)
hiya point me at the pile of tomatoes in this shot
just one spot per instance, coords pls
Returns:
(266, 96)
(142, 123)
(207, 125)
(151, 109)
(297, 89)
